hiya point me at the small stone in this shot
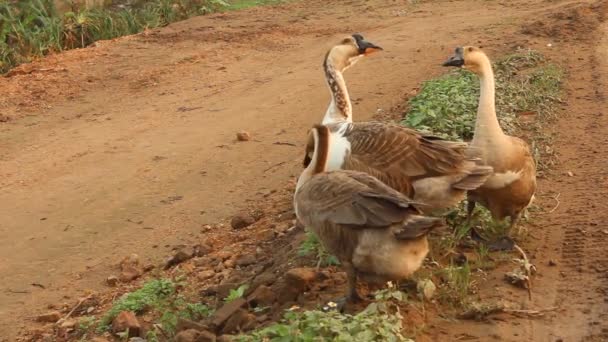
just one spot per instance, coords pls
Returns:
(204, 275)
(266, 278)
(129, 273)
(112, 281)
(552, 262)
(68, 324)
(178, 258)
(240, 320)
(206, 336)
(201, 250)
(226, 311)
(246, 260)
(426, 288)
(124, 321)
(49, 317)
(243, 136)
(229, 263)
(189, 335)
(262, 296)
(186, 324)
(99, 339)
(570, 174)
(130, 268)
(301, 278)
(242, 220)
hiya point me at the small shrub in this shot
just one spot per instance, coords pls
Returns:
(312, 246)
(236, 293)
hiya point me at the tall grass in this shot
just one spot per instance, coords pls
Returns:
(34, 28)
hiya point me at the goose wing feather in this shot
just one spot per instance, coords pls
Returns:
(351, 198)
(400, 151)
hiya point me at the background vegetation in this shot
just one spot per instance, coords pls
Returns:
(34, 28)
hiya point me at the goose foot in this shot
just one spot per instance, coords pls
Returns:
(341, 303)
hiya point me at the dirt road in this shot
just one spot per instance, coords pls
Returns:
(129, 146)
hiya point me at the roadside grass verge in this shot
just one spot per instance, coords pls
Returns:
(31, 29)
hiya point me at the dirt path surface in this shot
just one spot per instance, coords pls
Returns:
(129, 146)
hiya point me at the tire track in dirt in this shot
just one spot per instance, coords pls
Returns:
(584, 289)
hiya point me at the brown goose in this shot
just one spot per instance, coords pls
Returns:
(511, 187)
(428, 169)
(374, 230)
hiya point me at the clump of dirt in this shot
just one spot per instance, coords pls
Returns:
(575, 22)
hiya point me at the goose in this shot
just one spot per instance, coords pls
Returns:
(428, 169)
(374, 230)
(510, 189)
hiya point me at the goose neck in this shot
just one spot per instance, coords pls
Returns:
(487, 124)
(340, 107)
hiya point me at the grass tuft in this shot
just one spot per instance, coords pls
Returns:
(312, 246)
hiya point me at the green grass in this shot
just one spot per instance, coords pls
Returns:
(243, 4)
(160, 296)
(447, 105)
(236, 293)
(312, 246)
(31, 29)
(380, 321)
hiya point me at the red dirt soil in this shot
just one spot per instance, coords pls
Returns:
(129, 146)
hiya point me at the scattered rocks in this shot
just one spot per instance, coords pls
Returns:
(189, 335)
(246, 260)
(426, 288)
(49, 317)
(112, 281)
(130, 268)
(243, 136)
(552, 262)
(262, 296)
(240, 320)
(242, 220)
(179, 257)
(224, 313)
(124, 321)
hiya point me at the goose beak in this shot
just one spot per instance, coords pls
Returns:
(456, 60)
(367, 48)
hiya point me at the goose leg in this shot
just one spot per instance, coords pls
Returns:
(351, 274)
(352, 296)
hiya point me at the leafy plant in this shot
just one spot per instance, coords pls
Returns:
(312, 246)
(380, 321)
(236, 293)
(457, 283)
(160, 296)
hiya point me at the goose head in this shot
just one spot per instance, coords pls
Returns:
(350, 49)
(468, 57)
